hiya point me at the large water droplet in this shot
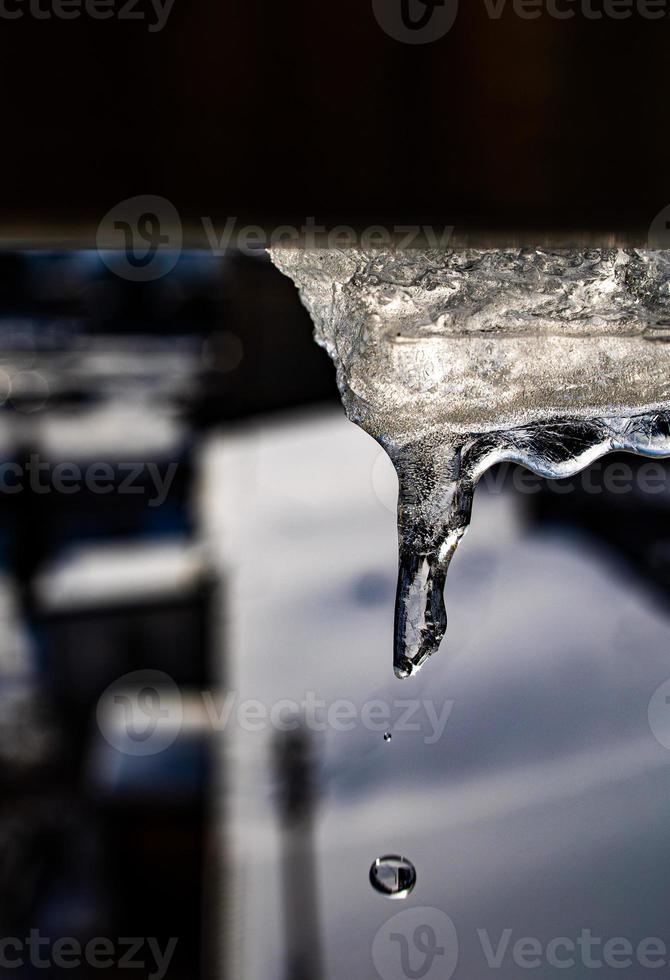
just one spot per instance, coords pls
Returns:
(393, 876)
(387, 736)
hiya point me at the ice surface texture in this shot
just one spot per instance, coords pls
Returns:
(457, 359)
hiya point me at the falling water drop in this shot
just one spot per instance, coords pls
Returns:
(393, 876)
(387, 736)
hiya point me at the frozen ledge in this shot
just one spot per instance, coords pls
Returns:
(457, 359)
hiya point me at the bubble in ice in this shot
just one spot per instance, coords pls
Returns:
(393, 876)
(458, 359)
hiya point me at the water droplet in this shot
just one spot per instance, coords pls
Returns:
(393, 876)
(387, 736)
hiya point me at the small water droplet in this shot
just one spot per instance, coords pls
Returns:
(393, 876)
(387, 736)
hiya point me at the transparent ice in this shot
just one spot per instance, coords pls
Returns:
(455, 360)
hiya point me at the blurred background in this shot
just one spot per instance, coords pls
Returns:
(189, 526)
(272, 113)
(110, 390)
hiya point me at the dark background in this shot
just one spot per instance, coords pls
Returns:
(276, 111)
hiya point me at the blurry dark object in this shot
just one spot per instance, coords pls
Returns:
(629, 519)
(104, 612)
(264, 356)
(217, 337)
(297, 797)
(45, 841)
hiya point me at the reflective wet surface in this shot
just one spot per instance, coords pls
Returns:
(527, 776)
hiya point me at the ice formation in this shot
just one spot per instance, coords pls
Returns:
(458, 359)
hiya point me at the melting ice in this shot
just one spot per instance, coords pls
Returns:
(456, 360)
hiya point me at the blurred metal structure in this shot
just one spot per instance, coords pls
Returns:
(297, 800)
